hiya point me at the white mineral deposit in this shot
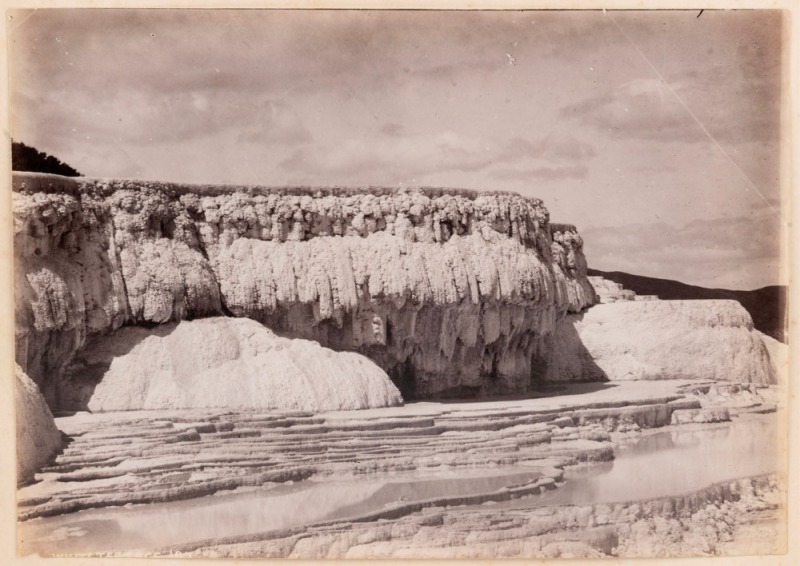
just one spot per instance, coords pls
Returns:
(259, 319)
(176, 331)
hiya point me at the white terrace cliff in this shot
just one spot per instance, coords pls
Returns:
(450, 291)
(634, 337)
(712, 340)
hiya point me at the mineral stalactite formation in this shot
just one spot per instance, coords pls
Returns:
(451, 292)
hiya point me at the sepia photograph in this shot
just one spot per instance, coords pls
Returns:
(399, 284)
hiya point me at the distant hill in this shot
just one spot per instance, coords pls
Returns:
(767, 305)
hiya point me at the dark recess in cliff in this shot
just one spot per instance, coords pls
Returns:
(767, 305)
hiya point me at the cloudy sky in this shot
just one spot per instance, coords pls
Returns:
(656, 133)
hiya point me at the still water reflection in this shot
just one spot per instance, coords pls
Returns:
(147, 527)
(672, 463)
(664, 463)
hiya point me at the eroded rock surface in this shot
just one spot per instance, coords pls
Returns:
(235, 363)
(706, 340)
(450, 291)
(38, 439)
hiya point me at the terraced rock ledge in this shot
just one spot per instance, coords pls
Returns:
(423, 480)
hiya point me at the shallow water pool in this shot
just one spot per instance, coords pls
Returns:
(671, 463)
(655, 465)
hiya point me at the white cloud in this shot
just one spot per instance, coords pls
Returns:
(412, 155)
(362, 97)
(274, 122)
(644, 108)
(415, 155)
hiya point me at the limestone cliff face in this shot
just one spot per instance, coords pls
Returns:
(710, 340)
(570, 263)
(450, 291)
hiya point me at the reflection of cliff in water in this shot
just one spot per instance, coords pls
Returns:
(658, 465)
(673, 462)
(148, 527)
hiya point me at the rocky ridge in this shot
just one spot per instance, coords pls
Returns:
(449, 291)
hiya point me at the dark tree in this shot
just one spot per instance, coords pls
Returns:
(26, 158)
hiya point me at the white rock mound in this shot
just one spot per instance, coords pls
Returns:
(234, 363)
(38, 439)
(705, 340)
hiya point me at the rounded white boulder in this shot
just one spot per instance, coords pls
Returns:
(231, 363)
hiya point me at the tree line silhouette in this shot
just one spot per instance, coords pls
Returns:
(27, 158)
